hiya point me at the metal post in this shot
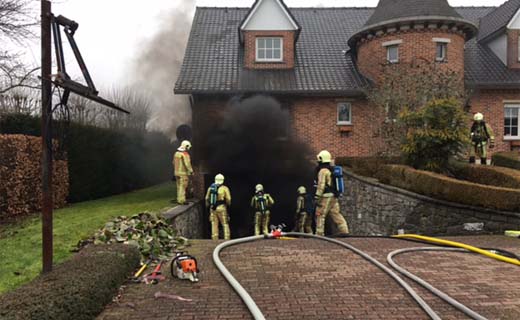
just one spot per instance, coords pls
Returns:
(47, 200)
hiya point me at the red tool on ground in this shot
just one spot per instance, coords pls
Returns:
(155, 276)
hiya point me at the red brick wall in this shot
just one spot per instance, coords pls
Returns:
(417, 45)
(512, 49)
(491, 104)
(314, 120)
(250, 50)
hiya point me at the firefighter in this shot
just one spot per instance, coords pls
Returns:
(261, 203)
(183, 170)
(304, 211)
(218, 199)
(326, 196)
(481, 134)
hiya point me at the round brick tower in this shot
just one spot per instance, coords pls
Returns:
(407, 32)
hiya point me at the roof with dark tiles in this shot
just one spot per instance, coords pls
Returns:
(213, 62)
(497, 19)
(397, 9)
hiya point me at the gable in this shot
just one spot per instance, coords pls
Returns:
(515, 22)
(269, 15)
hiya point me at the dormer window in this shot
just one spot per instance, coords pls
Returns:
(392, 50)
(269, 49)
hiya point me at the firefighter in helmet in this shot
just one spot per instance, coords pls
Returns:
(481, 134)
(218, 199)
(261, 203)
(326, 197)
(183, 170)
(304, 211)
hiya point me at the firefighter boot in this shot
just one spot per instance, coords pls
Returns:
(483, 161)
(472, 160)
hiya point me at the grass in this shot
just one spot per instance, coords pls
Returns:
(21, 243)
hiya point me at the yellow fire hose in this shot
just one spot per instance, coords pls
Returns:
(460, 245)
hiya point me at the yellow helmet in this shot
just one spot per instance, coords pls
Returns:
(478, 116)
(186, 145)
(219, 178)
(302, 190)
(259, 188)
(324, 156)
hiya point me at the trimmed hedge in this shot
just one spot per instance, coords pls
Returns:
(507, 159)
(77, 289)
(449, 189)
(21, 174)
(489, 175)
(366, 166)
(105, 162)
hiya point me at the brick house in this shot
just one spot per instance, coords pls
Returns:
(319, 61)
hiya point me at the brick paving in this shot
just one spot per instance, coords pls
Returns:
(311, 279)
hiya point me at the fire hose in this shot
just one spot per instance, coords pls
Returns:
(257, 314)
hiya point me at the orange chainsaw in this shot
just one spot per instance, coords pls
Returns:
(184, 266)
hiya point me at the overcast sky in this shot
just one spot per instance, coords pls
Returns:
(112, 32)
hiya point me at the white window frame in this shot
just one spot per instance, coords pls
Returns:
(341, 122)
(444, 57)
(518, 53)
(517, 107)
(269, 59)
(388, 48)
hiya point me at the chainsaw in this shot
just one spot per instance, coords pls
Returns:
(184, 266)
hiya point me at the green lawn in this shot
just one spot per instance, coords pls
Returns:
(20, 244)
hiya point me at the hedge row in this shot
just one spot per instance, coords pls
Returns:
(489, 175)
(449, 189)
(21, 176)
(76, 289)
(507, 159)
(104, 162)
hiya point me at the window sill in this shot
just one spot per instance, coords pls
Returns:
(269, 62)
(512, 138)
(343, 127)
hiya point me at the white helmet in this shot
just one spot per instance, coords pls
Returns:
(302, 190)
(219, 178)
(185, 145)
(259, 188)
(324, 156)
(478, 116)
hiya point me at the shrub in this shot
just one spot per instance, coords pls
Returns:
(507, 159)
(104, 162)
(20, 176)
(488, 175)
(449, 189)
(366, 166)
(435, 134)
(77, 289)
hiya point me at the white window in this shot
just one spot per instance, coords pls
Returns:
(344, 113)
(511, 113)
(441, 52)
(269, 49)
(392, 53)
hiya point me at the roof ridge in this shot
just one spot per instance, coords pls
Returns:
(342, 7)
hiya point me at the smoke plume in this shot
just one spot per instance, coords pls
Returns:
(253, 145)
(158, 65)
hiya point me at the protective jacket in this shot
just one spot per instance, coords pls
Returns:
(182, 164)
(223, 196)
(259, 198)
(324, 186)
(481, 132)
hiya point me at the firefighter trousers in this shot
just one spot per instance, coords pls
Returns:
(219, 215)
(305, 223)
(262, 222)
(329, 206)
(182, 185)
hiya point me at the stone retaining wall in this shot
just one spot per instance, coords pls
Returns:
(187, 220)
(372, 208)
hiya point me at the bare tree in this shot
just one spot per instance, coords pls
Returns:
(16, 23)
(138, 104)
(20, 101)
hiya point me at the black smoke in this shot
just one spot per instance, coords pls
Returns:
(253, 145)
